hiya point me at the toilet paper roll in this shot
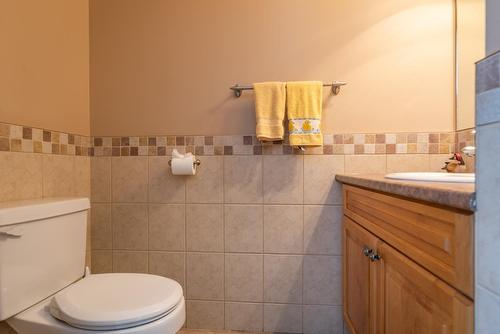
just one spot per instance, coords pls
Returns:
(184, 165)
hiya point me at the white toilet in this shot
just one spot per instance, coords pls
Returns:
(44, 288)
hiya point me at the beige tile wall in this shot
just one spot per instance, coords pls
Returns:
(254, 240)
(35, 175)
(39, 163)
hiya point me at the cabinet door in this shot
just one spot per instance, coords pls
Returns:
(411, 300)
(359, 278)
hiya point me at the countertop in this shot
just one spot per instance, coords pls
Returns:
(455, 195)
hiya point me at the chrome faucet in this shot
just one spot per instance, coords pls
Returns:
(469, 151)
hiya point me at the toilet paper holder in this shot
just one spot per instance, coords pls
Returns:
(197, 162)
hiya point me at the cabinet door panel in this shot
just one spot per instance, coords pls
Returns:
(438, 238)
(413, 301)
(359, 279)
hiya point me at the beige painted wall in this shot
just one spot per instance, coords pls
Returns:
(44, 64)
(165, 66)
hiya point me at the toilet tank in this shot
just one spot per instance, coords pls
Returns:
(42, 249)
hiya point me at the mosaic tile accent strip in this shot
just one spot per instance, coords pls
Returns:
(18, 138)
(334, 144)
(466, 137)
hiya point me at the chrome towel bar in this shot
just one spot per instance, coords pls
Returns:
(335, 87)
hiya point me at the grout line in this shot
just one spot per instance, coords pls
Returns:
(303, 245)
(263, 244)
(170, 251)
(111, 213)
(221, 203)
(263, 303)
(488, 289)
(147, 212)
(263, 267)
(42, 162)
(224, 250)
(185, 240)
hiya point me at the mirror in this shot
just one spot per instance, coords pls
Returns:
(469, 48)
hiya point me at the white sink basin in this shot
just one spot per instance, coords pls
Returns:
(434, 177)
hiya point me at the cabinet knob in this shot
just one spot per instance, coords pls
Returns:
(367, 251)
(374, 257)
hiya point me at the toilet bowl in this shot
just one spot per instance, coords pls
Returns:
(108, 303)
(45, 289)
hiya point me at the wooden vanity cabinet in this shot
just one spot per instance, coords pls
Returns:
(359, 278)
(389, 288)
(412, 300)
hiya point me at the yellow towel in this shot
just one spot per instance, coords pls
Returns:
(304, 105)
(270, 110)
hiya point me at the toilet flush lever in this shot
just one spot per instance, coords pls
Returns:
(13, 232)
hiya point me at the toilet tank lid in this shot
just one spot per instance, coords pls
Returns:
(16, 212)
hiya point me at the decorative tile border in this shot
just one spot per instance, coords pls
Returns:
(334, 144)
(464, 138)
(16, 138)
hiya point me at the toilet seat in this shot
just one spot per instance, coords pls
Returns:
(116, 301)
